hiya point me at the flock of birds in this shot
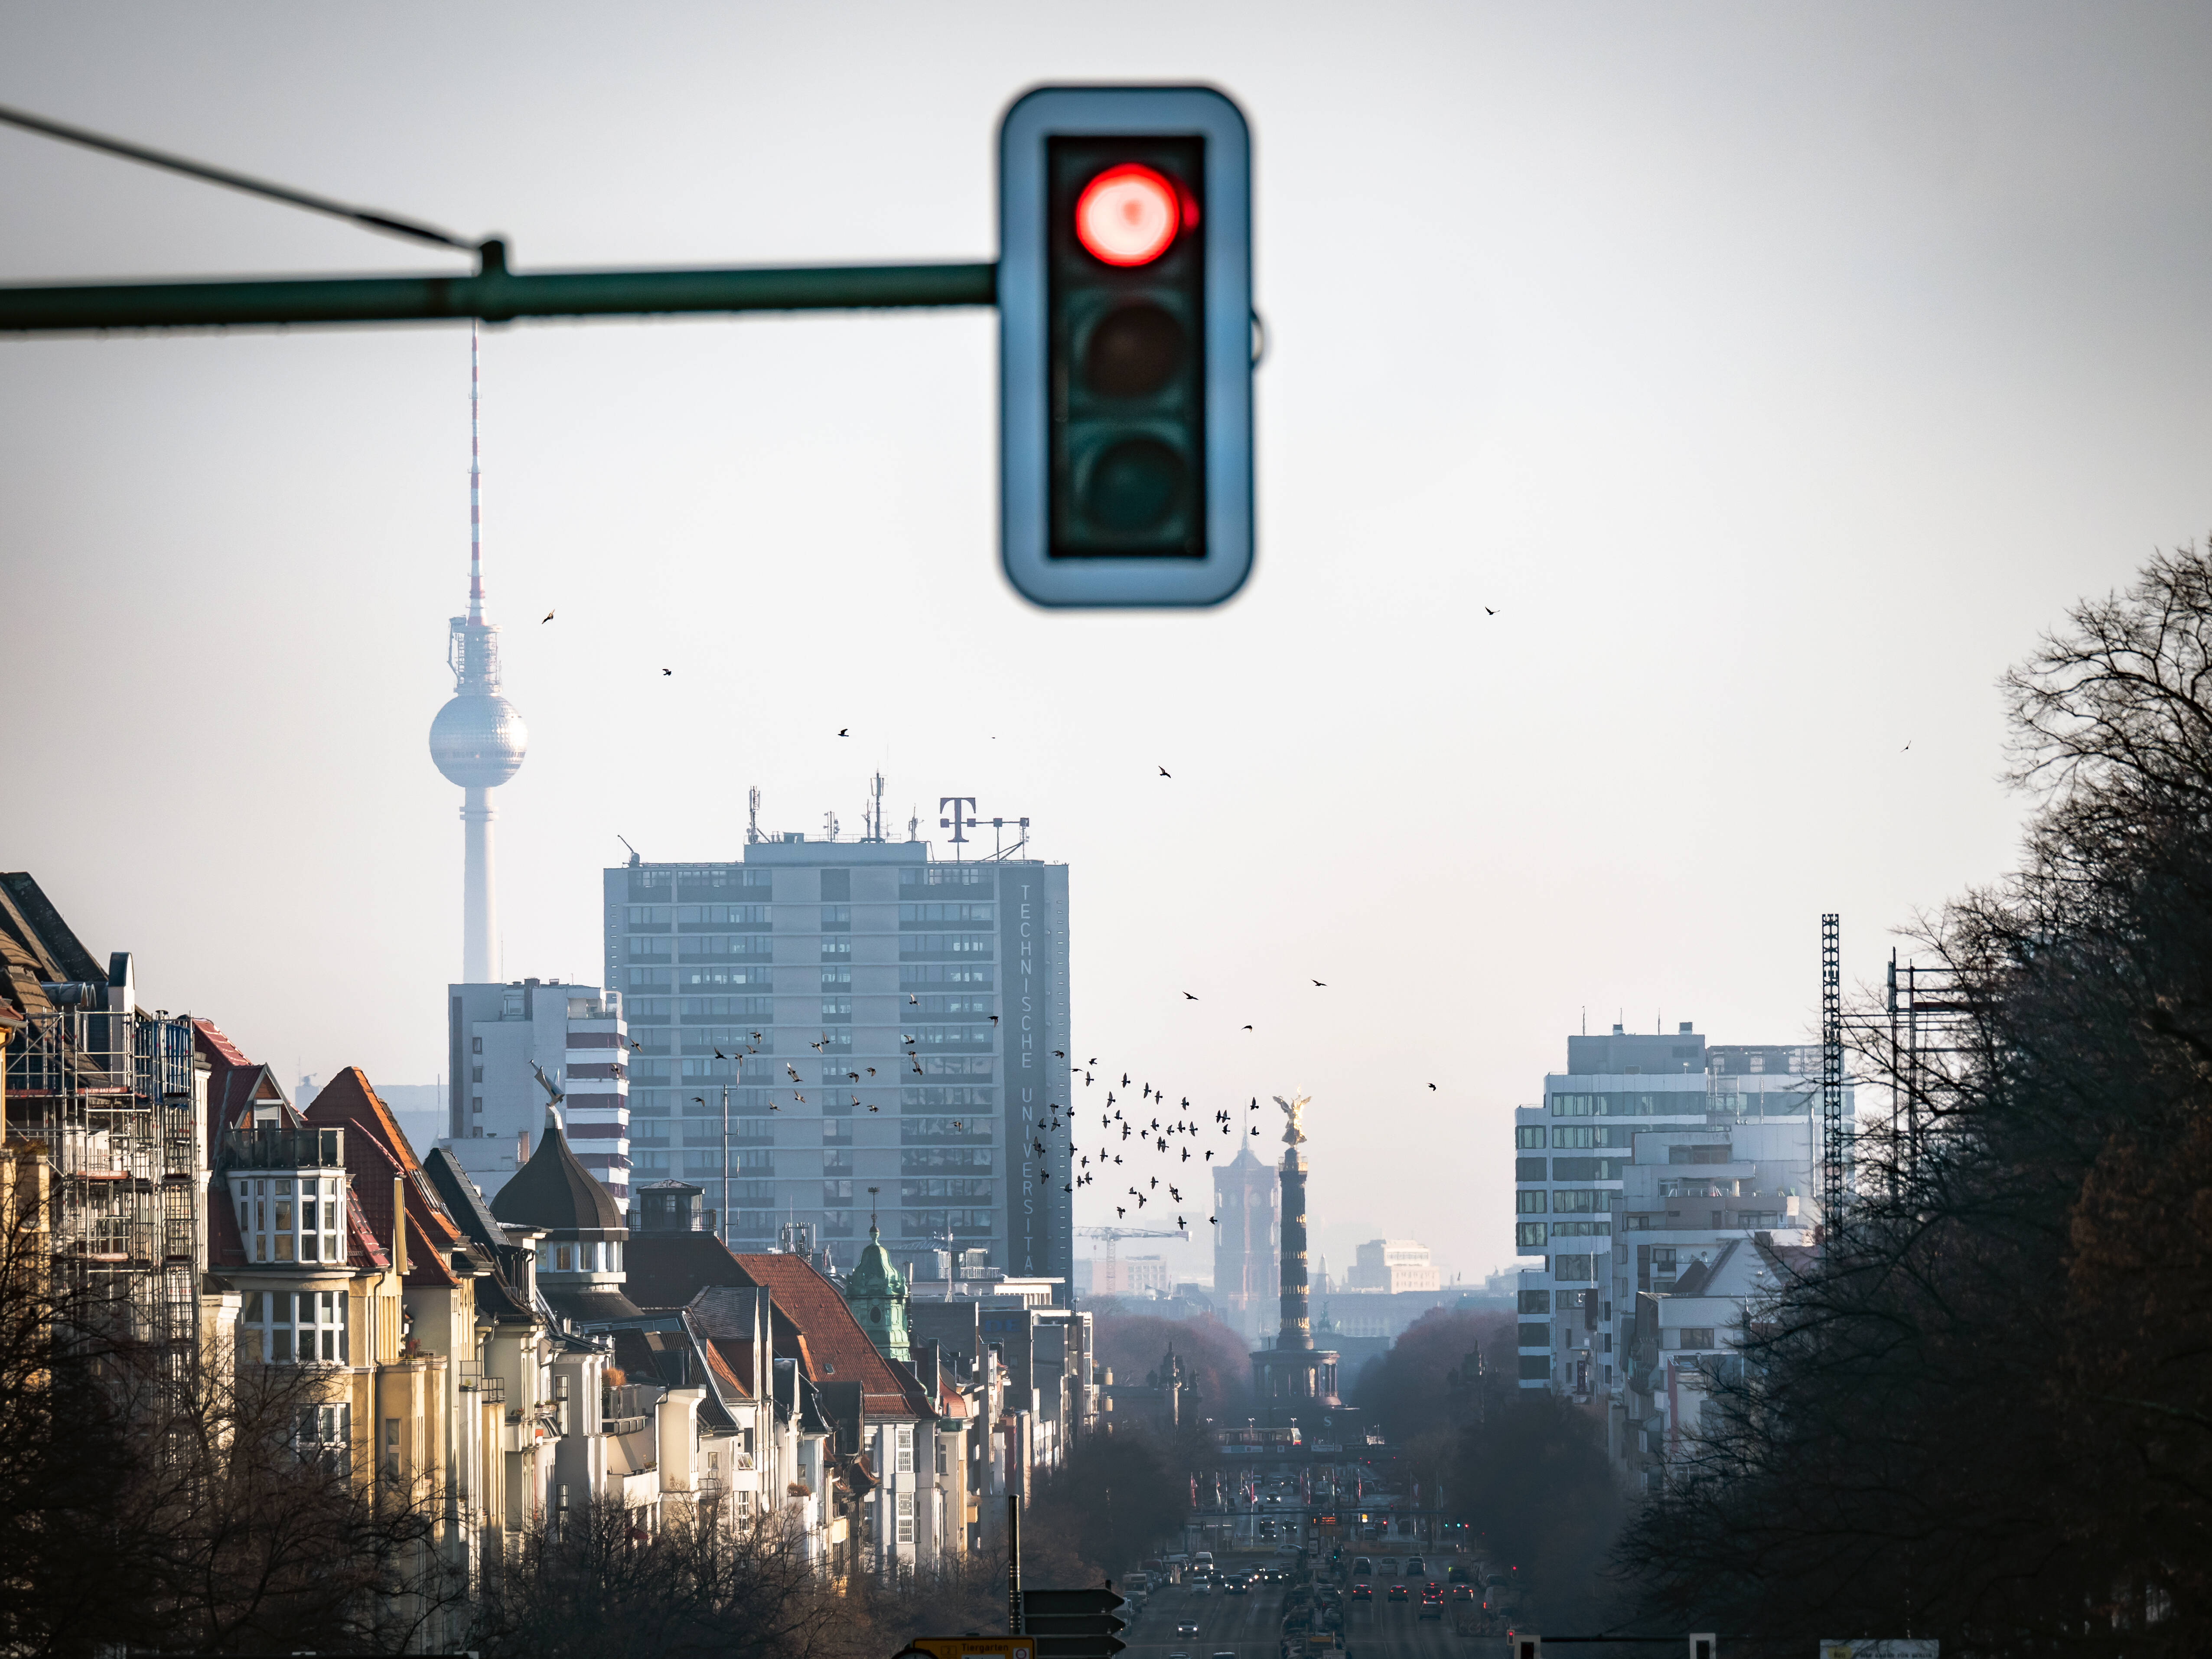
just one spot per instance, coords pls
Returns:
(1173, 1140)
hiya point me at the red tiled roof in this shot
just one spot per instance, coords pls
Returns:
(376, 1152)
(735, 1355)
(204, 1035)
(836, 1345)
(235, 1084)
(727, 1372)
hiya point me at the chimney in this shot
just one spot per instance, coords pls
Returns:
(399, 1223)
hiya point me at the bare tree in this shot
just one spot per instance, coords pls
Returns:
(1984, 1414)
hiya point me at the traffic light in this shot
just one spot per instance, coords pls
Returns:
(1072, 1624)
(1126, 333)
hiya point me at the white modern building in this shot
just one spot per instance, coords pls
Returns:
(1151, 1276)
(512, 1048)
(1392, 1265)
(1649, 1156)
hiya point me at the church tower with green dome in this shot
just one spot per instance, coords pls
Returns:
(877, 1293)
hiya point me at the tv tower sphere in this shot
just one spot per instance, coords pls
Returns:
(478, 740)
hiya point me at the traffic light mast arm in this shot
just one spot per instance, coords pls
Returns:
(494, 294)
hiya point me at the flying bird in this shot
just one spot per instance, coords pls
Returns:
(1322, 983)
(547, 617)
(1165, 772)
(1487, 611)
(719, 1055)
(913, 999)
(844, 732)
(1433, 1088)
(1187, 997)
(668, 671)
(1247, 1028)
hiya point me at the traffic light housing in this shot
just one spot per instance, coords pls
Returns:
(1126, 345)
(1074, 1624)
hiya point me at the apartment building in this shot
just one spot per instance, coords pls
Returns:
(1649, 1155)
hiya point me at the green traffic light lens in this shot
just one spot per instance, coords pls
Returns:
(1133, 352)
(1134, 486)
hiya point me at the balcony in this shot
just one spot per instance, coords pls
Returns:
(626, 1409)
(285, 1149)
(490, 1390)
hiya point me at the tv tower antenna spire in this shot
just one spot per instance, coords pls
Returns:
(476, 488)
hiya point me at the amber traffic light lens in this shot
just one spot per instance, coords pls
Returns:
(1133, 351)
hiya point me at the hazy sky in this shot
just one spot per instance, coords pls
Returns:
(1775, 371)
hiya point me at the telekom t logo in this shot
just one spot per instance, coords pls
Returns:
(956, 823)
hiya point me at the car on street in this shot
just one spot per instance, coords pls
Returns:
(1433, 1607)
(1363, 1592)
(1387, 1567)
(1415, 1567)
(1398, 1593)
(1235, 1587)
(1188, 1627)
(1457, 1574)
(1361, 1566)
(1201, 1585)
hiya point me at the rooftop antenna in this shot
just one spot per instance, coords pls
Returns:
(634, 860)
(871, 819)
(752, 815)
(830, 824)
(913, 824)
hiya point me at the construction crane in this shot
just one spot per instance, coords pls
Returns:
(1114, 1235)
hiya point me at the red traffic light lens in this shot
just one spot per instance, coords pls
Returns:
(1129, 215)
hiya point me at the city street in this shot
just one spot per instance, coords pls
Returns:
(1250, 1626)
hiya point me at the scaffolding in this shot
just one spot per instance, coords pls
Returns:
(1929, 1010)
(110, 1095)
(1835, 1148)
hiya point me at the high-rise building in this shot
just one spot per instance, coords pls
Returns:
(514, 1049)
(478, 739)
(1247, 1270)
(892, 1033)
(1647, 1155)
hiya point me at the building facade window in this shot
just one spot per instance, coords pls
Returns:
(324, 1435)
(906, 1516)
(294, 1327)
(289, 1218)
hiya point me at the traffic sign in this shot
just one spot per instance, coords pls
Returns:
(1126, 334)
(969, 1647)
(1074, 1624)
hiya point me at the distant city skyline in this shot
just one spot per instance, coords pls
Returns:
(1670, 413)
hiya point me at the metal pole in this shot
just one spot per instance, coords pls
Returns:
(494, 294)
(1015, 1622)
(725, 1217)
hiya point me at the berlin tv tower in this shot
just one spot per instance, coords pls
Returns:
(478, 739)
